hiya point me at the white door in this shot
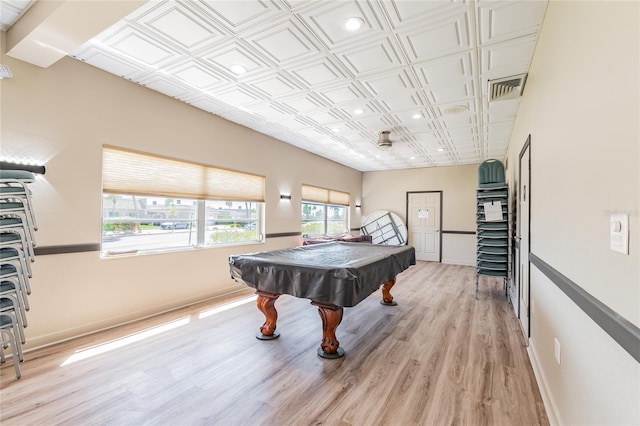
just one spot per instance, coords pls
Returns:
(424, 224)
(523, 219)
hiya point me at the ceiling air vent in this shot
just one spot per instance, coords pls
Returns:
(506, 88)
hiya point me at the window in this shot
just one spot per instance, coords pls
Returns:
(324, 211)
(152, 203)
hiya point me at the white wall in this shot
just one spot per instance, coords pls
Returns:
(581, 108)
(387, 190)
(61, 116)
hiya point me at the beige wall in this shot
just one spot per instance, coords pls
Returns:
(61, 116)
(387, 190)
(580, 107)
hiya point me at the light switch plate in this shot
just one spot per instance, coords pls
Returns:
(619, 228)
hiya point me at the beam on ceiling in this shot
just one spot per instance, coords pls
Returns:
(51, 30)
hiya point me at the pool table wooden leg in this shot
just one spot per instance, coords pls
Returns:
(387, 298)
(266, 304)
(331, 316)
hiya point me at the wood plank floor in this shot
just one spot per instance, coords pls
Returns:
(440, 357)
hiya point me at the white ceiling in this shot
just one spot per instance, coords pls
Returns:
(306, 74)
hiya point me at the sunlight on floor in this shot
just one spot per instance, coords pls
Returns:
(136, 337)
(124, 341)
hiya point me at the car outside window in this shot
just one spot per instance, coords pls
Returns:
(138, 224)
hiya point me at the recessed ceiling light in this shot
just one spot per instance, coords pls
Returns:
(412, 158)
(417, 115)
(237, 69)
(335, 130)
(455, 109)
(358, 111)
(440, 149)
(353, 24)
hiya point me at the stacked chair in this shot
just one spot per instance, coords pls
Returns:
(492, 229)
(17, 242)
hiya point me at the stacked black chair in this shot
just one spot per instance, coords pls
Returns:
(492, 219)
(17, 242)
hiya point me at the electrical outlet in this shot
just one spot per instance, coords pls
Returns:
(556, 349)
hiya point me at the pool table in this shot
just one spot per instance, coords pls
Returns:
(332, 275)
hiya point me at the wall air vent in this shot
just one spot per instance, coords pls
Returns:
(507, 88)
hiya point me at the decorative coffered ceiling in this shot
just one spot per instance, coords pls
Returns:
(419, 68)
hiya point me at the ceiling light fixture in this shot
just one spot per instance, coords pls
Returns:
(358, 111)
(237, 69)
(417, 116)
(440, 149)
(353, 24)
(335, 130)
(383, 139)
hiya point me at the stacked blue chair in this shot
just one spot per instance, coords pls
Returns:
(17, 241)
(492, 220)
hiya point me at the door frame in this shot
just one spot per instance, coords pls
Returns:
(525, 147)
(440, 214)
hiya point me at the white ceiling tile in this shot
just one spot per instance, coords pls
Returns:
(137, 46)
(504, 110)
(324, 117)
(391, 82)
(462, 135)
(237, 15)
(502, 20)
(304, 102)
(284, 42)
(318, 72)
(273, 113)
(377, 123)
(312, 133)
(235, 54)
(450, 68)
(306, 75)
(401, 101)
(181, 25)
(448, 93)
(164, 85)
(463, 119)
(239, 97)
(210, 104)
(507, 55)
(343, 94)
(197, 75)
(453, 35)
(402, 12)
(328, 22)
(275, 85)
(499, 131)
(104, 60)
(375, 56)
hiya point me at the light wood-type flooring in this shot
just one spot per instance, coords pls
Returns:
(440, 357)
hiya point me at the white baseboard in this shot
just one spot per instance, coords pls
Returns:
(549, 405)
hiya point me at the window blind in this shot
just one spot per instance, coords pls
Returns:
(132, 172)
(323, 195)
